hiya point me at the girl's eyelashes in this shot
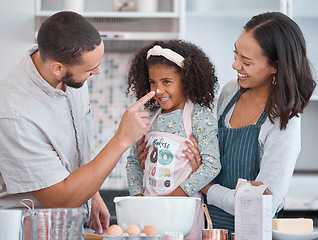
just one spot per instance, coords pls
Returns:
(152, 82)
(166, 81)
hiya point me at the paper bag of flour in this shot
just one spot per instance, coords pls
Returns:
(253, 211)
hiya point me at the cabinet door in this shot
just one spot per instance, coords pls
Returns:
(305, 14)
(111, 8)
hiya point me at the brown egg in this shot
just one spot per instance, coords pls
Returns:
(133, 230)
(150, 230)
(114, 230)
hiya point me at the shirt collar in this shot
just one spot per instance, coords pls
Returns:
(35, 76)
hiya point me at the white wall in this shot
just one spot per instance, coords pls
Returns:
(16, 30)
(215, 25)
(217, 40)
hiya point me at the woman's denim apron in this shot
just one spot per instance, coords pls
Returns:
(240, 158)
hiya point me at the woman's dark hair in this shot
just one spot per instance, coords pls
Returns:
(283, 43)
(65, 36)
(198, 73)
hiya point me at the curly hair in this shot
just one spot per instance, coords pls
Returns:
(200, 83)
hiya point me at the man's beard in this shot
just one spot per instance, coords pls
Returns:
(69, 81)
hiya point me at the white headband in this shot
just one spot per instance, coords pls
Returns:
(167, 53)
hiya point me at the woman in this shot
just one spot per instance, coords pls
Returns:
(258, 115)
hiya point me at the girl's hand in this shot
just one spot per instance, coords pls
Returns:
(193, 154)
(142, 152)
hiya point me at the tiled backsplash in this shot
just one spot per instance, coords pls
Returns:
(108, 102)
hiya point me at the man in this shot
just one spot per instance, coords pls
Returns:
(45, 122)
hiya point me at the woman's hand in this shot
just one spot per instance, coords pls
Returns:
(193, 154)
(206, 188)
(142, 152)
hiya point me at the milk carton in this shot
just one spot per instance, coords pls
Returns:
(253, 211)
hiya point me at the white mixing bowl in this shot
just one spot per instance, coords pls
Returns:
(167, 214)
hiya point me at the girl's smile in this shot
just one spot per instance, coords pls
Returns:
(166, 81)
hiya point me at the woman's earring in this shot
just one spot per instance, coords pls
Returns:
(274, 81)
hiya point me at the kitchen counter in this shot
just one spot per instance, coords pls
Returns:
(303, 193)
(301, 205)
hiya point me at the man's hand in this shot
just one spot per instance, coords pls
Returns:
(99, 217)
(85, 181)
(135, 122)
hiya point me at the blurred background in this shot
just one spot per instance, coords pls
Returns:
(127, 25)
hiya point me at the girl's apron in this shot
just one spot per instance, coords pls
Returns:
(240, 158)
(166, 167)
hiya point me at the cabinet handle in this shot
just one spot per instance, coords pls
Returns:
(112, 36)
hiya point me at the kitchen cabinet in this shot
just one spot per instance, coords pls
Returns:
(307, 159)
(305, 13)
(162, 22)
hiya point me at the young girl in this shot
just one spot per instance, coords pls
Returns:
(184, 82)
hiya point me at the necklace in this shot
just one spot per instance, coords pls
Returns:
(243, 95)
